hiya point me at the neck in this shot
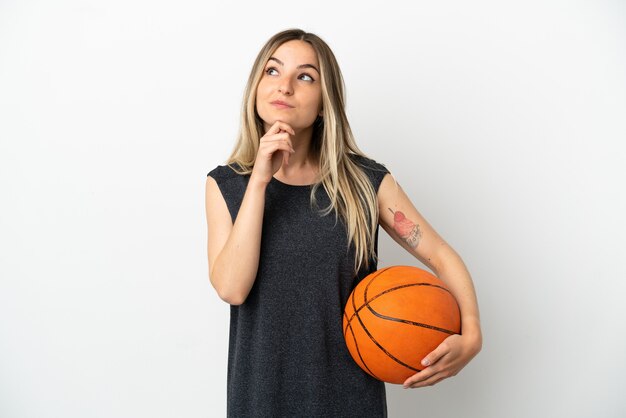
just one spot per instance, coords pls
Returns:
(301, 159)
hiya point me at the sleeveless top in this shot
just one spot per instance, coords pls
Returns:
(286, 352)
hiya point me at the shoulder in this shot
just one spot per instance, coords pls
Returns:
(372, 168)
(231, 183)
(227, 174)
(222, 172)
(368, 163)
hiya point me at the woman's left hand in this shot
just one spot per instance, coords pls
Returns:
(445, 361)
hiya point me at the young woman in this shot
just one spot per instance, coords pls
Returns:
(292, 228)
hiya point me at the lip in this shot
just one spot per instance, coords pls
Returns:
(280, 104)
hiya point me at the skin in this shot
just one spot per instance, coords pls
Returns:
(407, 227)
(301, 88)
(284, 153)
(233, 248)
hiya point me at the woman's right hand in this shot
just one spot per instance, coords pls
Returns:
(274, 149)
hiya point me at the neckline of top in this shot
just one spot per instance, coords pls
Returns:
(274, 179)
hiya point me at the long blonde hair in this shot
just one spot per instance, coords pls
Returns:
(348, 187)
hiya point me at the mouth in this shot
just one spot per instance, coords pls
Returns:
(281, 104)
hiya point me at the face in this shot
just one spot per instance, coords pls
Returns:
(291, 75)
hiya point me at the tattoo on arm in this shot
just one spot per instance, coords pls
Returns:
(407, 230)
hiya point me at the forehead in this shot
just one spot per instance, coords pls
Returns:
(297, 52)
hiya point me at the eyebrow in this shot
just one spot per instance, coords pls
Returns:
(299, 66)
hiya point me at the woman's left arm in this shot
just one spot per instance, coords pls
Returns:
(408, 228)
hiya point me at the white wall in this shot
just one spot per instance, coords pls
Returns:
(504, 121)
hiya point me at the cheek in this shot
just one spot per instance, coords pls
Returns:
(261, 94)
(316, 102)
(264, 87)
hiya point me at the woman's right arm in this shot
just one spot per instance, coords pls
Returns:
(234, 249)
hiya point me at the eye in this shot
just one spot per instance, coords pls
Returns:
(270, 69)
(306, 75)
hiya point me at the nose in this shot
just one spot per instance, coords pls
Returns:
(284, 86)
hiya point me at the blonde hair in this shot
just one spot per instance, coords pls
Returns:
(347, 185)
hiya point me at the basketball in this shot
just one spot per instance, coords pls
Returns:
(395, 317)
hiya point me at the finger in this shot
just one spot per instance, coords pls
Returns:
(278, 137)
(419, 377)
(428, 382)
(279, 126)
(270, 146)
(274, 129)
(435, 355)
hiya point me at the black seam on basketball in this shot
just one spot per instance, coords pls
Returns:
(393, 289)
(366, 303)
(391, 356)
(356, 345)
(355, 311)
(406, 321)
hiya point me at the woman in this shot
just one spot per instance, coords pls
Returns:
(286, 266)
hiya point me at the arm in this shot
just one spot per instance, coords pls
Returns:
(418, 237)
(233, 249)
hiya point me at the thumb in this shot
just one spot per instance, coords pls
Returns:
(434, 356)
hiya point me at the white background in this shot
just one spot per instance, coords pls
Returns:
(504, 122)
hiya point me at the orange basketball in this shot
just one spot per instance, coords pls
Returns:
(396, 316)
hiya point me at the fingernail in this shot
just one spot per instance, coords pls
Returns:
(425, 362)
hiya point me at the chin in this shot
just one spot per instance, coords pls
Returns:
(269, 118)
(269, 121)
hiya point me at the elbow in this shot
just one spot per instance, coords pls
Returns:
(232, 299)
(230, 296)
(442, 258)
